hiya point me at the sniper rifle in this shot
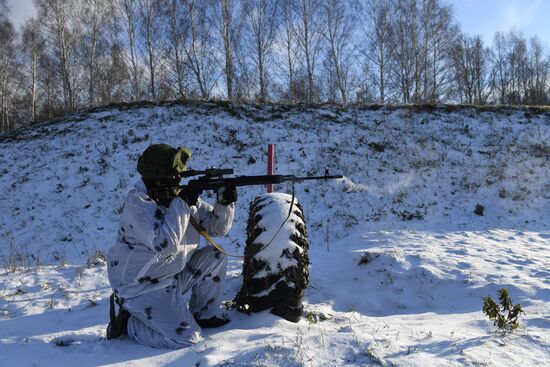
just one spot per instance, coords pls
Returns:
(212, 179)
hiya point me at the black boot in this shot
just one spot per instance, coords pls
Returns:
(213, 322)
(118, 325)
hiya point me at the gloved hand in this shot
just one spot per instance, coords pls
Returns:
(190, 196)
(227, 195)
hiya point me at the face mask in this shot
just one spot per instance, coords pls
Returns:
(162, 191)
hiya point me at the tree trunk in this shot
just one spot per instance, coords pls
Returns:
(228, 47)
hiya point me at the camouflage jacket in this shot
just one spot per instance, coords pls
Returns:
(153, 242)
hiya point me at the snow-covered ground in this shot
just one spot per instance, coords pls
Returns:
(405, 211)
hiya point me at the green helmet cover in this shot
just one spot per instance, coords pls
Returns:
(162, 160)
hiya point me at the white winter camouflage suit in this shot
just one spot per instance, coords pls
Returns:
(155, 261)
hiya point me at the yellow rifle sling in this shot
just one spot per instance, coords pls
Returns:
(210, 240)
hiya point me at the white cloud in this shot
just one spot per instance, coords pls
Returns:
(520, 14)
(20, 10)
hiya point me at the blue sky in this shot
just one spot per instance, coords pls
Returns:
(483, 17)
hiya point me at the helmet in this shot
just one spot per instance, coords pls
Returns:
(162, 161)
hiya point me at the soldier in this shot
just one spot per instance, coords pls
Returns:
(156, 260)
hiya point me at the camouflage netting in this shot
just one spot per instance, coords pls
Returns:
(276, 276)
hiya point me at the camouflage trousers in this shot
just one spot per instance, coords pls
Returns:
(163, 319)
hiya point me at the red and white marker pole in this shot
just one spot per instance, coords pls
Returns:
(270, 164)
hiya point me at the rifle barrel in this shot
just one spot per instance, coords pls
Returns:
(212, 183)
(318, 178)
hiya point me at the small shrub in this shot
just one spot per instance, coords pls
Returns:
(103, 165)
(479, 210)
(61, 257)
(138, 139)
(96, 258)
(84, 182)
(505, 314)
(367, 257)
(406, 215)
(14, 258)
(316, 317)
(67, 238)
(379, 147)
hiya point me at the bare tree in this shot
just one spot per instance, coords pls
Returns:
(510, 67)
(32, 50)
(338, 28)
(261, 25)
(376, 17)
(404, 49)
(517, 58)
(245, 84)
(114, 80)
(4, 10)
(538, 77)
(501, 74)
(439, 32)
(177, 33)
(231, 19)
(287, 44)
(129, 12)
(94, 45)
(470, 63)
(421, 32)
(198, 46)
(520, 71)
(309, 39)
(481, 70)
(58, 21)
(7, 68)
(150, 31)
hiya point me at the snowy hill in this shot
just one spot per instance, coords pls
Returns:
(405, 211)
